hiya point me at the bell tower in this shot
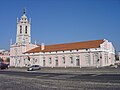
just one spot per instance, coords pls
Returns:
(23, 35)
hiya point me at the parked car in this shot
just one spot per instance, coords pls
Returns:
(3, 65)
(34, 67)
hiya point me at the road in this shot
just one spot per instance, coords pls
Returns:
(34, 80)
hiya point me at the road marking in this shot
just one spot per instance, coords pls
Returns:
(42, 76)
(63, 76)
(95, 75)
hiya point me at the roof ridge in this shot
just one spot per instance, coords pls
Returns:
(68, 46)
(76, 42)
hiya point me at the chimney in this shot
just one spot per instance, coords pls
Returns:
(42, 46)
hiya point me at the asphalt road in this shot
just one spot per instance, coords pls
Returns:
(64, 76)
(33, 80)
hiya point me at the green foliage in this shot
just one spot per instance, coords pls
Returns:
(116, 57)
(8, 60)
(1, 60)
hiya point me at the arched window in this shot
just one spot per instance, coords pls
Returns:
(20, 29)
(26, 29)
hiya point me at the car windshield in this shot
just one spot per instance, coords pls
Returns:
(35, 66)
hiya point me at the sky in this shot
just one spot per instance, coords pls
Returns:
(62, 21)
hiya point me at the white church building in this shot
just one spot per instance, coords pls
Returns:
(23, 41)
(93, 53)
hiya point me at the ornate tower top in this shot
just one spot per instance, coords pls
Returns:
(24, 11)
(24, 17)
(23, 35)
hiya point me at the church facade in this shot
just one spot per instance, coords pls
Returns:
(23, 41)
(94, 53)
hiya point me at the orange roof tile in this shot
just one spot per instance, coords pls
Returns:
(68, 46)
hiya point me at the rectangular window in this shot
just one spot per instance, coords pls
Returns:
(43, 62)
(24, 61)
(20, 29)
(26, 29)
(95, 58)
(106, 58)
(87, 58)
(63, 60)
(50, 60)
(71, 59)
(33, 61)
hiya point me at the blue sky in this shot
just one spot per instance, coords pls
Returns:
(62, 21)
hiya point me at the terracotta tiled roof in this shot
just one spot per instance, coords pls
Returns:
(68, 46)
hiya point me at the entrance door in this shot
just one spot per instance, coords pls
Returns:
(77, 62)
(56, 62)
(43, 62)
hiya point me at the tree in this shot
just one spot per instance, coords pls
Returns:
(116, 57)
(7, 60)
(1, 60)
